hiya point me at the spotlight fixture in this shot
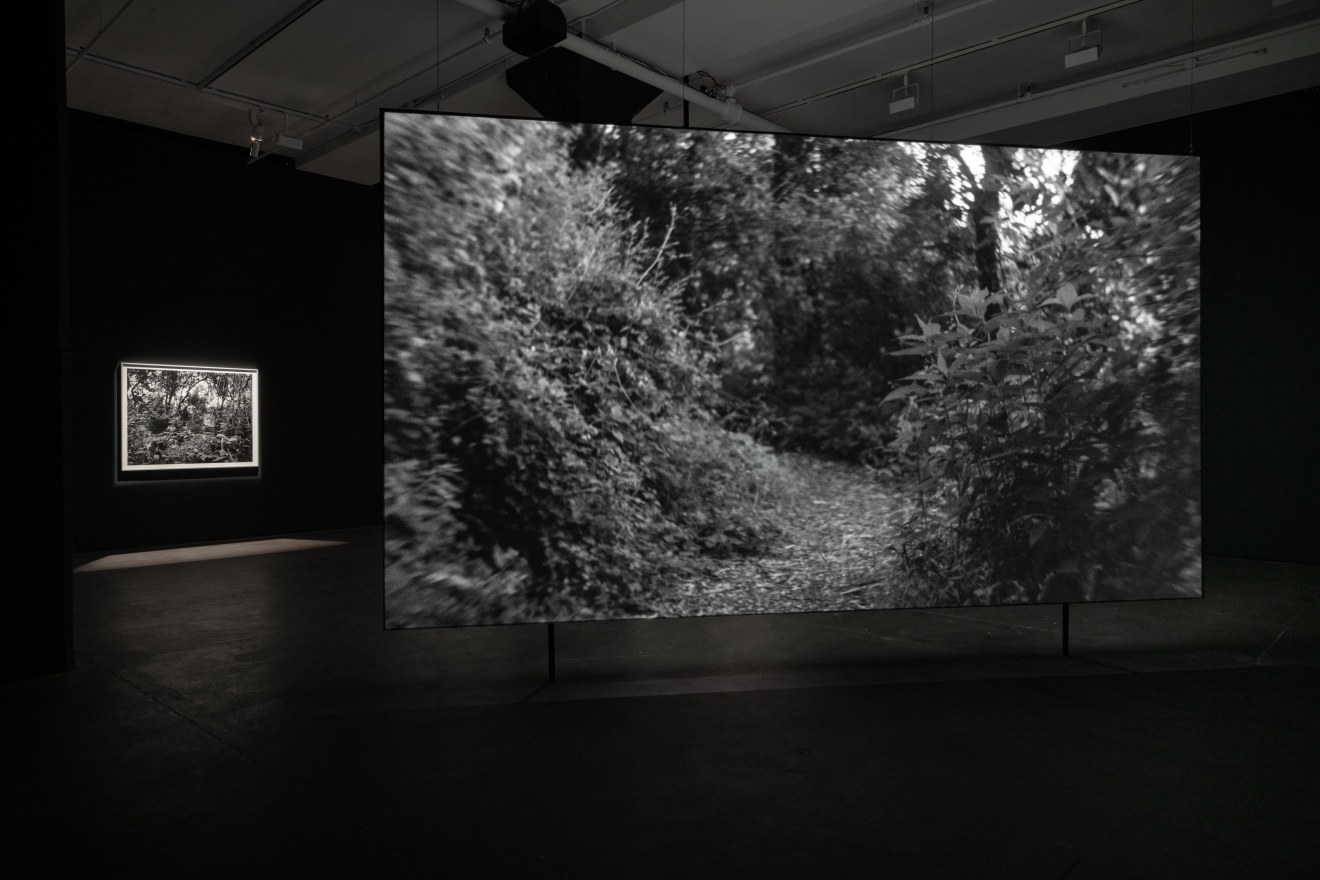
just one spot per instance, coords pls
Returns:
(258, 130)
(1084, 48)
(903, 98)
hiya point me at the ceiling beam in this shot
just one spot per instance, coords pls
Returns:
(1180, 71)
(99, 34)
(231, 98)
(265, 37)
(946, 56)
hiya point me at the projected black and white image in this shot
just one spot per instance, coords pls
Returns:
(644, 372)
(183, 418)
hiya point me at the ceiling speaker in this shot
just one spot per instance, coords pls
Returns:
(566, 87)
(535, 27)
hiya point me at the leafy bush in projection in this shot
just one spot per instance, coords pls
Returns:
(549, 448)
(802, 259)
(1055, 425)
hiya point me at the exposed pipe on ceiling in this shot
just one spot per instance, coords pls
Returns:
(259, 41)
(927, 63)
(1182, 71)
(231, 98)
(728, 110)
(928, 21)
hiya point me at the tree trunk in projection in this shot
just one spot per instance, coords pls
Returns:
(693, 296)
(788, 159)
(985, 216)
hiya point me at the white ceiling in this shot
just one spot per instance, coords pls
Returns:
(984, 70)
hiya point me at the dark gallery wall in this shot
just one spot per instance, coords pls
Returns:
(1261, 312)
(183, 252)
(35, 635)
(1260, 198)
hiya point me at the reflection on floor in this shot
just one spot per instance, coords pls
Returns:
(173, 555)
(248, 715)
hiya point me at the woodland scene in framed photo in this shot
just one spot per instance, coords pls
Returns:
(178, 418)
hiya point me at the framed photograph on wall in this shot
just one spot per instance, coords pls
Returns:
(187, 420)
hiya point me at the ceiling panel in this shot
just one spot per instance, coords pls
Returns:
(322, 69)
(905, 49)
(182, 38)
(984, 22)
(342, 47)
(1232, 19)
(130, 96)
(720, 34)
(1036, 61)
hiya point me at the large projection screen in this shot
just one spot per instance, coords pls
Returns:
(647, 372)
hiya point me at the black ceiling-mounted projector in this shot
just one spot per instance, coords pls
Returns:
(535, 28)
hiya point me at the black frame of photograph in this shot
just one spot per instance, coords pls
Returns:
(1065, 307)
(250, 466)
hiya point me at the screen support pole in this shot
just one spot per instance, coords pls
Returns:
(550, 649)
(1064, 631)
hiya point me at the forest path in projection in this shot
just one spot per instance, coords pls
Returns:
(837, 552)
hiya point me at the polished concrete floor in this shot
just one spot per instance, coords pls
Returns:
(239, 712)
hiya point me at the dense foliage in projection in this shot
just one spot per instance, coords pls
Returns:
(550, 450)
(638, 372)
(1055, 425)
(181, 417)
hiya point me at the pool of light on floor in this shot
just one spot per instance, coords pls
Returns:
(144, 558)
